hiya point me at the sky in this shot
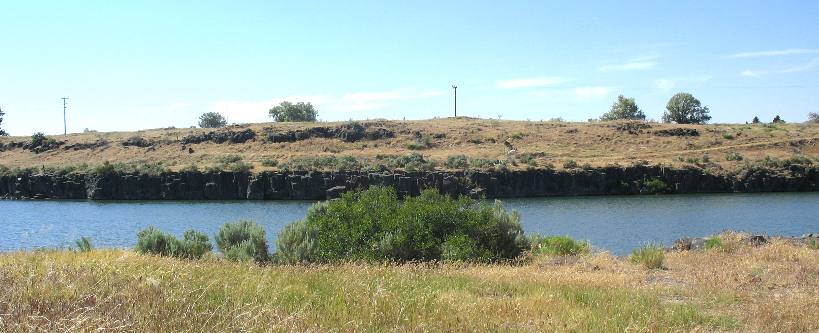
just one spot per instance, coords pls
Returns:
(130, 65)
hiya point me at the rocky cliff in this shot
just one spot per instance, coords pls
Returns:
(323, 185)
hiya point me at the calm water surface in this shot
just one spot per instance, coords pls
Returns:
(614, 223)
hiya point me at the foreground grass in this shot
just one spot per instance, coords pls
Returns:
(768, 288)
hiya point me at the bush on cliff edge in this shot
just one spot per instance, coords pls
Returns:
(374, 225)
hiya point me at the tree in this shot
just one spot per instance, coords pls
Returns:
(624, 108)
(756, 120)
(2, 132)
(287, 111)
(212, 120)
(683, 108)
(778, 120)
(813, 117)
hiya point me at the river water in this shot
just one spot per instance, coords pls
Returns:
(613, 223)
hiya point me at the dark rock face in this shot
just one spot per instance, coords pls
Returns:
(221, 137)
(324, 185)
(350, 132)
(677, 132)
(137, 141)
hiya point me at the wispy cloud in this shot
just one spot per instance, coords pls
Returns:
(533, 82)
(637, 64)
(591, 92)
(814, 63)
(773, 53)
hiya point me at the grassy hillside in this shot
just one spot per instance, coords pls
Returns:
(730, 287)
(538, 144)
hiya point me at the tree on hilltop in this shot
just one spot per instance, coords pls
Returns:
(683, 108)
(2, 132)
(624, 108)
(813, 117)
(212, 120)
(288, 112)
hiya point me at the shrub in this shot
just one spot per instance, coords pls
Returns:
(193, 246)
(153, 241)
(813, 244)
(650, 256)
(242, 240)
(558, 246)
(570, 164)
(190, 168)
(296, 243)
(287, 112)
(654, 185)
(755, 120)
(270, 162)
(734, 156)
(38, 139)
(84, 244)
(813, 117)
(713, 242)
(212, 120)
(683, 108)
(421, 142)
(457, 161)
(778, 120)
(228, 159)
(374, 225)
(624, 108)
(727, 136)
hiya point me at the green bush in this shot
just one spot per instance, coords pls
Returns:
(713, 243)
(421, 142)
(813, 244)
(570, 164)
(242, 240)
(734, 156)
(727, 136)
(558, 245)
(270, 162)
(84, 244)
(374, 225)
(153, 241)
(457, 161)
(296, 243)
(654, 186)
(650, 256)
(193, 246)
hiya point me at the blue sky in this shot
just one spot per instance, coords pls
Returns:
(128, 65)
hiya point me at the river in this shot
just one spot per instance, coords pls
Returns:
(613, 223)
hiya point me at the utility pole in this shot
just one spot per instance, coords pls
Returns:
(65, 127)
(455, 88)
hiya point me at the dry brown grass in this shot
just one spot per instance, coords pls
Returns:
(774, 287)
(597, 144)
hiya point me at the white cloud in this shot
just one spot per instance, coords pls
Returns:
(637, 64)
(591, 92)
(534, 82)
(773, 53)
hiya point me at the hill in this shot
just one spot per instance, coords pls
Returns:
(451, 143)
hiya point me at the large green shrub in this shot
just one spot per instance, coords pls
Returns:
(242, 240)
(212, 120)
(374, 225)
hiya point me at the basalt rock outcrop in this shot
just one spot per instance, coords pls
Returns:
(324, 185)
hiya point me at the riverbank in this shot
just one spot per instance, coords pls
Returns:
(737, 286)
(108, 184)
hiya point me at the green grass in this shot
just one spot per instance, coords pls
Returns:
(121, 291)
(713, 243)
(558, 246)
(650, 256)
